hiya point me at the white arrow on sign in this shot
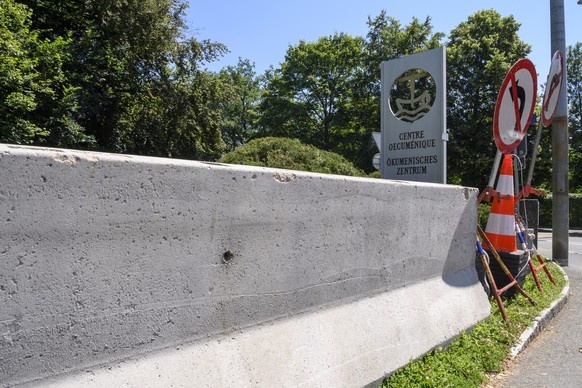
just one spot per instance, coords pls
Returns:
(515, 105)
(553, 88)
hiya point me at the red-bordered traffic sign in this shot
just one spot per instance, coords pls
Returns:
(553, 88)
(515, 105)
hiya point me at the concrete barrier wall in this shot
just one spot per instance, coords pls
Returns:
(150, 271)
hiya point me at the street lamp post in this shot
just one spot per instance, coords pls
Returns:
(560, 187)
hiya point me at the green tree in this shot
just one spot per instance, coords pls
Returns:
(311, 96)
(574, 87)
(327, 93)
(480, 51)
(37, 102)
(117, 46)
(141, 86)
(239, 113)
(174, 115)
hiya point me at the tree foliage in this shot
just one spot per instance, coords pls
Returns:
(174, 115)
(327, 93)
(480, 51)
(311, 96)
(37, 100)
(239, 113)
(120, 75)
(574, 87)
(133, 82)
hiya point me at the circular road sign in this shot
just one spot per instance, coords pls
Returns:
(515, 105)
(553, 88)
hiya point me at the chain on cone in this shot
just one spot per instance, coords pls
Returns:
(501, 223)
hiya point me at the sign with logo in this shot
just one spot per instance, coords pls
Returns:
(515, 105)
(553, 88)
(414, 118)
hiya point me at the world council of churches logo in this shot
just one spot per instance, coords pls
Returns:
(412, 95)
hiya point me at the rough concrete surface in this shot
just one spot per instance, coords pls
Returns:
(109, 258)
(341, 346)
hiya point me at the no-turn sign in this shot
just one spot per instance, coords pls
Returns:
(553, 87)
(515, 105)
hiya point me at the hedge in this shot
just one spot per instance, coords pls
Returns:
(575, 202)
(545, 217)
(278, 152)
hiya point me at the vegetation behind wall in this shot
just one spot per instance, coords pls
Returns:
(575, 211)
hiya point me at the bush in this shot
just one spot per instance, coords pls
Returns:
(545, 215)
(291, 154)
(483, 210)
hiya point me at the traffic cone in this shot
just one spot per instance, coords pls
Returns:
(501, 223)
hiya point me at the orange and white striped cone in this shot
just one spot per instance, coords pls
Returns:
(501, 223)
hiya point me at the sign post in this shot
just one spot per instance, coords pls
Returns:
(413, 117)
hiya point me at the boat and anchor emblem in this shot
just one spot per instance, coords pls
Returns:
(412, 95)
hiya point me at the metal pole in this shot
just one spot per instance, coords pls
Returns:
(494, 169)
(560, 206)
(516, 171)
(534, 153)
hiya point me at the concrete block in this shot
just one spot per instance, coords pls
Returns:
(117, 260)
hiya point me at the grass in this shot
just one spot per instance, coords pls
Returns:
(469, 359)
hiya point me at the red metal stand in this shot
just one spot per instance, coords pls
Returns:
(534, 270)
(520, 228)
(512, 283)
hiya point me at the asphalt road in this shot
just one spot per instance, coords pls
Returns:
(554, 357)
(574, 251)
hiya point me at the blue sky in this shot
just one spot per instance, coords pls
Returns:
(262, 30)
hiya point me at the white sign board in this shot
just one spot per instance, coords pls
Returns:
(414, 117)
(515, 105)
(553, 88)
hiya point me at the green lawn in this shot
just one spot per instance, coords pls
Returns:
(469, 359)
